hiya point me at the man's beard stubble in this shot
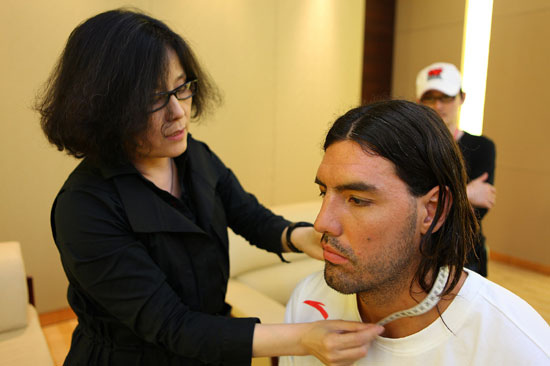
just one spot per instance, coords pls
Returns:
(376, 278)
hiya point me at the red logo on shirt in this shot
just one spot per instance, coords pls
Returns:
(435, 73)
(319, 306)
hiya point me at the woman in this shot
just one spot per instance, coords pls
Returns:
(141, 223)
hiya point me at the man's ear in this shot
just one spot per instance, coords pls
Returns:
(462, 97)
(430, 202)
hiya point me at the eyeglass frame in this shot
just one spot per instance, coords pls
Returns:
(168, 94)
(445, 99)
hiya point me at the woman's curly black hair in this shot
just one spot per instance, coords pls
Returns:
(96, 101)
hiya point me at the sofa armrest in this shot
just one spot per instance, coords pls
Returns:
(247, 302)
(13, 287)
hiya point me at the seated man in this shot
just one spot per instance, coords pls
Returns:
(397, 228)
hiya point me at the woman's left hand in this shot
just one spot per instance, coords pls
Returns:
(305, 239)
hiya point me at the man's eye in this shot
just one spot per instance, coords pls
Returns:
(359, 202)
(322, 194)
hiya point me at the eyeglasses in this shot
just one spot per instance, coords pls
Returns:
(445, 99)
(182, 92)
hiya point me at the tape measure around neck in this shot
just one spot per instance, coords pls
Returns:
(425, 305)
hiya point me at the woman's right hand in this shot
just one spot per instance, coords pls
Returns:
(339, 343)
(333, 342)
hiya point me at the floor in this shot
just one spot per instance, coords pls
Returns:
(531, 286)
(58, 336)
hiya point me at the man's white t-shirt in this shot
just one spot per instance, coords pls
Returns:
(484, 325)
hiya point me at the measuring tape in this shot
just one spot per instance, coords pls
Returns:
(427, 304)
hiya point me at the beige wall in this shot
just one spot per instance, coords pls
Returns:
(287, 68)
(516, 112)
(517, 118)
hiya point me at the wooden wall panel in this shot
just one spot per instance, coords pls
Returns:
(378, 50)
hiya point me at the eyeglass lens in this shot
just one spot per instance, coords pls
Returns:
(182, 92)
(432, 99)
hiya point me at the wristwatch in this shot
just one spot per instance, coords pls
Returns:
(289, 231)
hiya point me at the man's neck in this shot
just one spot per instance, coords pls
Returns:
(373, 308)
(455, 131)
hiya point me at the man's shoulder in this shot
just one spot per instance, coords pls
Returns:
(496, 296)
(474, 141)
(511, 306)
(507, 316)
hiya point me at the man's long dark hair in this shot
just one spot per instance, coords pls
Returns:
(96, 103)
(415, 139)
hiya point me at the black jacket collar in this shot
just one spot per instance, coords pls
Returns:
(148, 212)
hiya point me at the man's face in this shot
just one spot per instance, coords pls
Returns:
(446, 106)
(369, 220)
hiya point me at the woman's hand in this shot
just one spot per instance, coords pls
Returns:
(305, 239)
(337, 342)
(333, 342)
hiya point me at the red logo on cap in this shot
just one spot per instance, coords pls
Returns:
(319, 306)
(435, 73)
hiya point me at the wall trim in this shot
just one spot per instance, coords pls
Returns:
(518, 262)
(56, 316)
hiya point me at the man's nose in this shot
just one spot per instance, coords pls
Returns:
(438, 104)
(327, 218)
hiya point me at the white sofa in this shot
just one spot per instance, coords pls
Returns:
(260, 284)
(22, 341)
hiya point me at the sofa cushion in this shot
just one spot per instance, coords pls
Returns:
(245, 257)
(25, 346)
(249, 302)
(279, 280)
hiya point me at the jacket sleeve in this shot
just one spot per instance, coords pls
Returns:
(245, 215)
(111, 268)
(483, 160)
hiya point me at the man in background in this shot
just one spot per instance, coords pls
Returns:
(439, 86)
(396, 226)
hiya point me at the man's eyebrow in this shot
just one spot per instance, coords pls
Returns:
(318, 181)
(352, 186)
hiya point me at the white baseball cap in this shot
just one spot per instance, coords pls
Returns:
(440, 76)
